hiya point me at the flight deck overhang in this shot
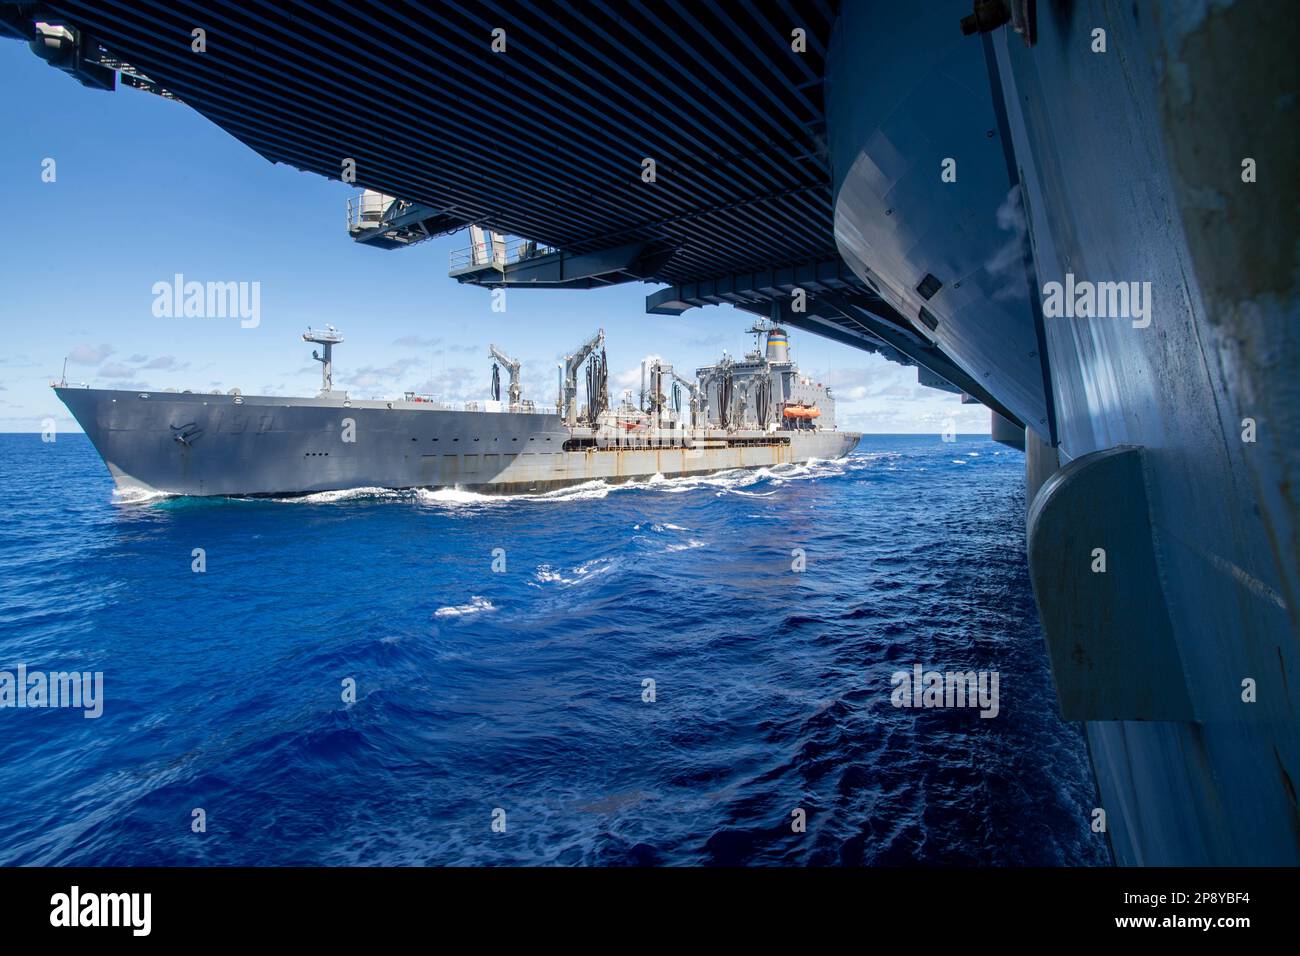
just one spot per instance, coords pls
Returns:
(826, 298)
(557, 269)
(682, 144)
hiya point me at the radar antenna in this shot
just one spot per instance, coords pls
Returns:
(760, 328)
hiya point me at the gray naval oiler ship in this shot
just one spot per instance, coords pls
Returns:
(750, 413)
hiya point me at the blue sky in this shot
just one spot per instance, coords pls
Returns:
(146, 188)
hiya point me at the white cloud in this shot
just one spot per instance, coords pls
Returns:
(89, 354)
(456, 385)
(380, 376)
(631, 378)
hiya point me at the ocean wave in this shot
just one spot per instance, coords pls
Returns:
(691, 544)
(345, 494)
(476, 605)
(545, 574)
(587, 491)
(452, 498)
(531, 694)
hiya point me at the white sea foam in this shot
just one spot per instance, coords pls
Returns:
(658, 528)
(454, 496)
(594, 566)
(138, 496)
(725, 482)
(689, 545)
(587, 491)
(545, 574)
(475, 605)
(343, 494)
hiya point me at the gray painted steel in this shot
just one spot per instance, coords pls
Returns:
(1097, 575)
(264, 445)
(1128, 168)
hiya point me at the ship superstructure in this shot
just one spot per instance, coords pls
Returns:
(751, 414)
(765, 387)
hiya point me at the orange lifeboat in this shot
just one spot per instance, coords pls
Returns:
(805, 412)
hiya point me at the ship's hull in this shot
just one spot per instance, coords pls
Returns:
(1133, 164)
(1124, 163)
(216, 445)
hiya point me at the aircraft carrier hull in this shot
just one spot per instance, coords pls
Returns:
(1163, 444)
(218, 445)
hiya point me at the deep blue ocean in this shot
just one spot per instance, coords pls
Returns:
(518, 696)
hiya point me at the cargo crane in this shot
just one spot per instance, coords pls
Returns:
(658, 398)
(573, 362)
(697, 396)
(655, 400)
(512, 366)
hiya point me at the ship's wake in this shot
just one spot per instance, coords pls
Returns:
(737, 481)
(745, 482)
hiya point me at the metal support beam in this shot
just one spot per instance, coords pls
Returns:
(562, 270)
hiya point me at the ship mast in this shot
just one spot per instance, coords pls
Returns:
(327, 340)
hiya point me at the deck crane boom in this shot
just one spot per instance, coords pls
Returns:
(572, 363)
(512, 366)
(697, 404)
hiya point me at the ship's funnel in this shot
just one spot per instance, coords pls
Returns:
(778, 345)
